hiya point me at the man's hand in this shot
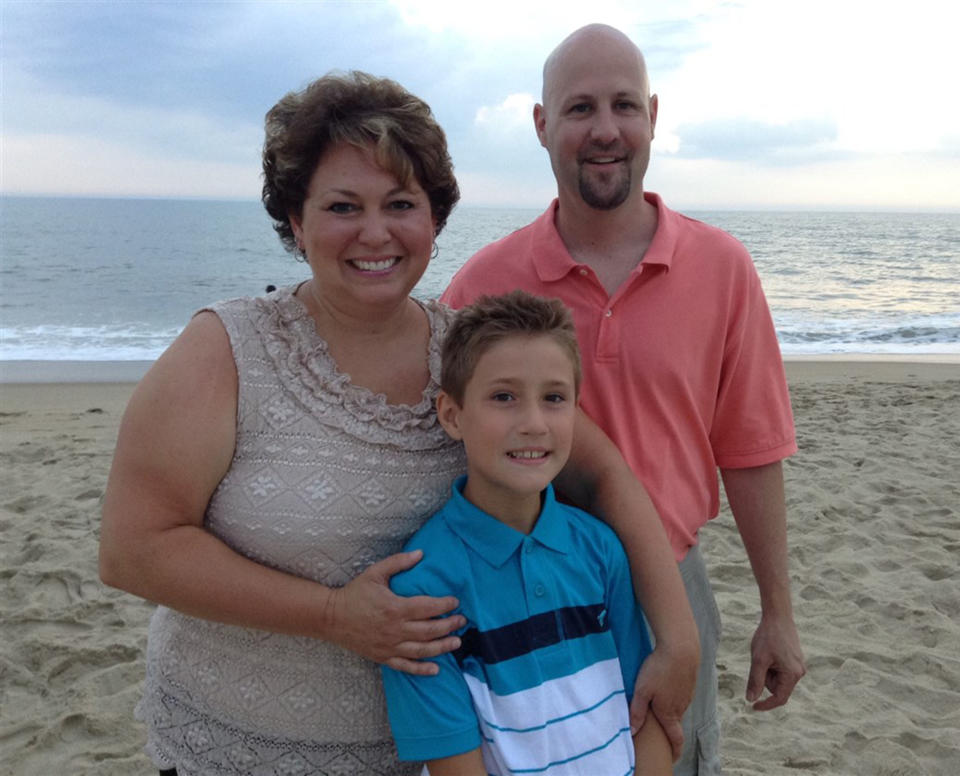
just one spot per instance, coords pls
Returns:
(758, 505)
(665, 684)
(776, 662)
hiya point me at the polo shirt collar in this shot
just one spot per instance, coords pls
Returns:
(551, 259)
(495, 541)
(553, 262)
(664, 243)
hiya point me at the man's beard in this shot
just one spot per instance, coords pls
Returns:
(605, 196)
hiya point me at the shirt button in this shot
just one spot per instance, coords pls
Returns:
(528, 547)
(539, 591)
(608, 313)
(583, 271)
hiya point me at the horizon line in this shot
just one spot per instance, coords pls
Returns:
(696, 207)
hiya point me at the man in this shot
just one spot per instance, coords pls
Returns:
(681, 364)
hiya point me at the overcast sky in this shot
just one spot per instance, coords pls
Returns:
(763, 103)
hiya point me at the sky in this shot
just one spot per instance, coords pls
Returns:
(772, 104)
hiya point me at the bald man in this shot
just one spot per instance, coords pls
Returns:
(681, 363)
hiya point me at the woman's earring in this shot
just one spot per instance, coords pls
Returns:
(435, 252)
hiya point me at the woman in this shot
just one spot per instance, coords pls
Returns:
(282, 450)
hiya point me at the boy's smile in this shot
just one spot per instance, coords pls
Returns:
(516, 424)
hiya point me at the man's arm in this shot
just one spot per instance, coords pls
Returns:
(598, 480)
(466, 764)
(756, 498)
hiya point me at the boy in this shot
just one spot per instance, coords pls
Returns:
(553, 634)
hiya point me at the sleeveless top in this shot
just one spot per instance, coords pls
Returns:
(326, 479)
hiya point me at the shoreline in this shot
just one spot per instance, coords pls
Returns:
(869, 369)
(870, 366)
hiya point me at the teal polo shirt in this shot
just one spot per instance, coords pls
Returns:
(552, 646)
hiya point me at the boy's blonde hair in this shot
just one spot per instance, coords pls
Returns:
(491, 319)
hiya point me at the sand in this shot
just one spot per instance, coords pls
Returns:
(874, 510)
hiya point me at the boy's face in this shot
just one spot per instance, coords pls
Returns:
(516, 423)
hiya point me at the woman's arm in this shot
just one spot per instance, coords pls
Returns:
(597, 479)
(175, 444)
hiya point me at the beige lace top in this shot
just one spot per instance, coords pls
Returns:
(326, 479)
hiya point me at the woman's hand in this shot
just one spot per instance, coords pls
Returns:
(366, 617)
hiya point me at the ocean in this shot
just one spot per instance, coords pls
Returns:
(117, 279)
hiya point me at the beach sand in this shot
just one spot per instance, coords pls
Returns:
(874, 511)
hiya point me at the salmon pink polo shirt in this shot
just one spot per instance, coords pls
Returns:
(681, 366)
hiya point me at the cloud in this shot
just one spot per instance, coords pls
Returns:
(790, 142)
(949, 146)
(542, 20)
(500, 156)
(861, 183)
(514, 113)
(183, 131)
(523, 188)
(142, 96)
(91, 166)
(228, 59)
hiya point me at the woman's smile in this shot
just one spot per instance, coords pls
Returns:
(375, 265)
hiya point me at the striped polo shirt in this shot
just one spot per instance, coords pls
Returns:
(550, 652)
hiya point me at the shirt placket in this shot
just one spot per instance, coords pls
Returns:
(608, 311)
(538, 593)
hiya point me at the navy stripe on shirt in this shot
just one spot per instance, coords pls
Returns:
(536, 632)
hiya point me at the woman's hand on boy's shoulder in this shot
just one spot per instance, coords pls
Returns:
(366, 617)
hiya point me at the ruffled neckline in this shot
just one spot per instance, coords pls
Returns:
(303, 362)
